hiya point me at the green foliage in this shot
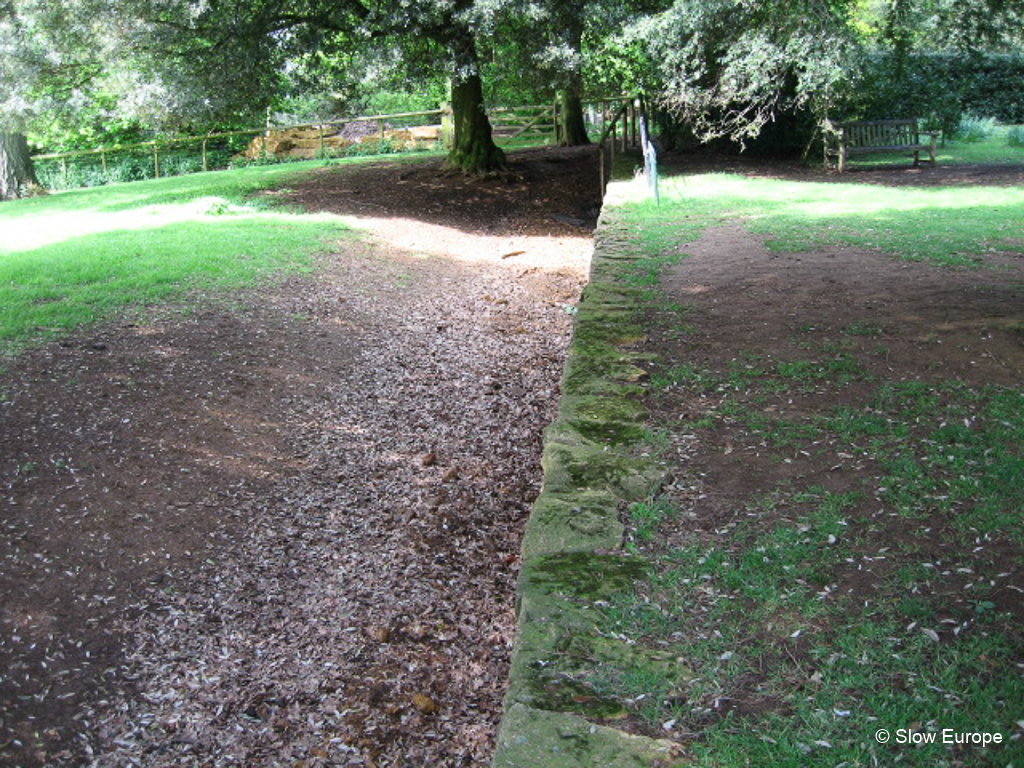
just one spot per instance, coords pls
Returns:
(387, 102)
(991, 85)
(938, 88)
(892, 88)
(973, 129)
(730, 67)
(1015, 136)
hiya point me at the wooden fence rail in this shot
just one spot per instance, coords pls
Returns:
(155, 146)
(539, 121)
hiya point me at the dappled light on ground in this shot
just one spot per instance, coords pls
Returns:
(282, 524)
(512, 251)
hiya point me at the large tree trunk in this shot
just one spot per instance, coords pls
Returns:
(17, 174)
(473, 148)
(572, 127)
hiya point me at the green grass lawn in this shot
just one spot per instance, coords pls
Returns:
(945, 225)
(74, 258)
(787, 671)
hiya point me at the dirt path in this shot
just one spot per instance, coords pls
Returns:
(283, 528)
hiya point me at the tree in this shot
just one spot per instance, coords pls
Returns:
(567, 42)
(539, 44)
(729, 67)
(225, 58)
(17, 176)
(48, 58)
(18, 60)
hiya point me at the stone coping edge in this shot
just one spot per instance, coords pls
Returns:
(572, 552)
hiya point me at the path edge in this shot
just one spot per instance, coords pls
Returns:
(572, 551)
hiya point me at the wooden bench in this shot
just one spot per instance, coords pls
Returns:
(863, 137)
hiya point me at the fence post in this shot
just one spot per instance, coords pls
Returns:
(156, 162)
(447, 126)
(103, 159)
(615, 125)
(650, 160)
(205, 168)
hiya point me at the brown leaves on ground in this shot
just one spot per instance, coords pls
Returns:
(285, 530)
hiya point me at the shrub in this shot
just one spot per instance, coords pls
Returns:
(973, 129)
(938, 88)
(1015, 136)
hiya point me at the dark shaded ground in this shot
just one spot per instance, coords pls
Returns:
(283, 526)
(544, 192)
(890, 175)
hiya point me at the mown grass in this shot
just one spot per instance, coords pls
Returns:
(943, 225)
(815, 616)
(74, 258)
(940, 225)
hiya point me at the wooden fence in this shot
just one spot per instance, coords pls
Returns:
(215, 150)
(621, 120)
(185, 154)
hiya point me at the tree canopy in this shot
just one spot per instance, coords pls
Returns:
(727, 68)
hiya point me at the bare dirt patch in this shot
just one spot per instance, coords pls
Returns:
(283, 526)
(752, 308)
(775, 340)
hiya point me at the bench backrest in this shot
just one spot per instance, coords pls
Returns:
(879, 133)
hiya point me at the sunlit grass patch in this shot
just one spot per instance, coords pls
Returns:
(945, 225)
(843, 549)
(73, 258)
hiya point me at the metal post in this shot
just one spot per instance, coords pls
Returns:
(650, 161)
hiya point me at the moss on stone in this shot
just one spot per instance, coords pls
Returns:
(609, 432)
(534, 738)
(584, 575)
(595, 469)
(609, 420)
(599, 368)
(558, 693)
(580, 521)
(565, 669)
